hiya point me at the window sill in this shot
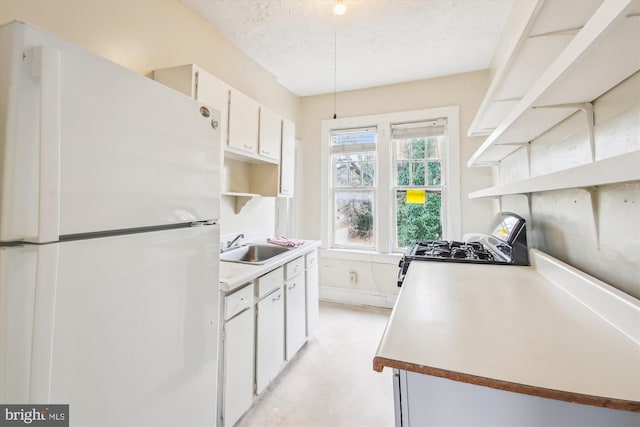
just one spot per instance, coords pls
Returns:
(364, 256)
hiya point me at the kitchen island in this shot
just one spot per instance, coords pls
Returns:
(479, 344)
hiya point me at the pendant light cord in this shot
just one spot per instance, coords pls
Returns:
(335, 63)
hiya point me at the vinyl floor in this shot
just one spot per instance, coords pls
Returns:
(331, 381)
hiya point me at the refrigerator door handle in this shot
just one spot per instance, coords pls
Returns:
(46, 67)
(43, 322)
(203, 223)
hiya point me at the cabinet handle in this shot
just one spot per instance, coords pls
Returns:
(276, 298)
(292, 286)
(248, 147)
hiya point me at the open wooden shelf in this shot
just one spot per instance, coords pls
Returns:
(618, 169)
(602, 54)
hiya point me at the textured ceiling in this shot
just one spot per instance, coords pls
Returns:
(378, 42)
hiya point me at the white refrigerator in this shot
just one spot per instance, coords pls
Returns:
(109, 239)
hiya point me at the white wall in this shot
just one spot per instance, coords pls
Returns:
(377, 275)
(144, 35)
(561, 222)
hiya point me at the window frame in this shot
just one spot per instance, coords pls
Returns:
(384, 221)
(442, 188)
(348, 149)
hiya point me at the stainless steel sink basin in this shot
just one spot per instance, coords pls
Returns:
(252, 253)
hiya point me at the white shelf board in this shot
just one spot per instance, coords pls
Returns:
(536, 33)
(247, 157)
(603, 54)
(613, 170)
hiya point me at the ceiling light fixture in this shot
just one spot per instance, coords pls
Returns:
(339, 8)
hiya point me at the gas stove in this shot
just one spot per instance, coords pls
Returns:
(505, 244)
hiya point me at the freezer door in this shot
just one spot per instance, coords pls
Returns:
(88, 146)
(125, 329)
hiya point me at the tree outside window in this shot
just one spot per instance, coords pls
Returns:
(418, 170)
(354, 166)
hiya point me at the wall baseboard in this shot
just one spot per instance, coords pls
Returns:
(357, 297)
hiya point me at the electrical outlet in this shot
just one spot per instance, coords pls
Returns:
(353, 277)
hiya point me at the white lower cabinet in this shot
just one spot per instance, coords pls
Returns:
(269, 338)
(238, 346)
(295, 319)
(312, 292)
(265, 323)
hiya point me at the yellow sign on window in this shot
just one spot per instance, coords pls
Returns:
(416, 196)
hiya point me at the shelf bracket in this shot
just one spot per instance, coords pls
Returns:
(587, 109)
(241, 201)
(529, 161)
(530, 208)
(592, 192)
(566, 32)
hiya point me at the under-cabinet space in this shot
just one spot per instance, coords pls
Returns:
(249, 179)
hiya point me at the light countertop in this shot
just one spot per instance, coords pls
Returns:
(510, 327)
(234, 274)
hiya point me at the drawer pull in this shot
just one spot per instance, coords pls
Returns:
(276, 298)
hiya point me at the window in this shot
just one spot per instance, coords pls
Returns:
(353, 164)
(387, 180)
(420, 164)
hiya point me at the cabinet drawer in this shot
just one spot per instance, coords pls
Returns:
(293, 268)
(311, 259)
(238, 301)
(270, 281)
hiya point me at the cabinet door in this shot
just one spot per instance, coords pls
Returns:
(243, 122)
(215, 93)
(270, 134)
(287, 158)
(269, 339)
(295, 315)
(238, 366)
(312, 293)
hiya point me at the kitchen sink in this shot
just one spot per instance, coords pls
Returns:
(252, 253)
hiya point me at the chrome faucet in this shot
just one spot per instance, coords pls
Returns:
(235, 239)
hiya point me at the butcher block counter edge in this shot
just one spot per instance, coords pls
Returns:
(620, 310)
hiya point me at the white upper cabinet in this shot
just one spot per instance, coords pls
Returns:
(558, 56)
(244, 114)
(287, 158)
(199, 84)
(215, 93)
(252, 135)
(270, 133)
